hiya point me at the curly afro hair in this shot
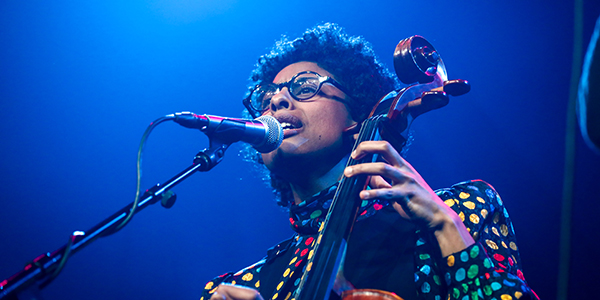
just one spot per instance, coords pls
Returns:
(352, 62)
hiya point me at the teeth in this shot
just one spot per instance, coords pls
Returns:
(286, 125)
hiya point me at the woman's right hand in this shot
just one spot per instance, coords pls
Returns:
(235, 292)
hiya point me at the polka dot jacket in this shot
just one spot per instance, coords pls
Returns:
(390, 253)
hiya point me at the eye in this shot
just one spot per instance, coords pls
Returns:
(263, 95)
(306, 87)
(265, 101)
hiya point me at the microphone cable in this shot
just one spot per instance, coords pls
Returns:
(68, 247)
(139, 170)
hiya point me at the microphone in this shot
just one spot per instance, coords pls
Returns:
(264, 133)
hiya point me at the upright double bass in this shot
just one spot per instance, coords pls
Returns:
(418, 64)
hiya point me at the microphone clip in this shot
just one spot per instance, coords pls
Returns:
(210, 157)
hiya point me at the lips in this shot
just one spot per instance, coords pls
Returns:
(290, 124)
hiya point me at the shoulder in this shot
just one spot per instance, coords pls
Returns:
(474, 201)
(470, 189)
(470, 196)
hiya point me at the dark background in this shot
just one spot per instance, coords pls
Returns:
(79, 83)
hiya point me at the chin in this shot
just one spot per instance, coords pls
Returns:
(284, 158)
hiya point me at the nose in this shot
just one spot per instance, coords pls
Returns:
(281, 100)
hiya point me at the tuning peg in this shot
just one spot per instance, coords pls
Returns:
(457, 87)
(429, 101)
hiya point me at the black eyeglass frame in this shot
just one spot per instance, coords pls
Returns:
(255, 113)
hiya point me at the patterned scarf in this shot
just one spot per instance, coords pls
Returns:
(306, 219)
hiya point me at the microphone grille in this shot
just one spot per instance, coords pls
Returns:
(274, 134)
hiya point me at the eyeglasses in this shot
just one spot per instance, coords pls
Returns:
(301, 87)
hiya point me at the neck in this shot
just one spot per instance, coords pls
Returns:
(306, 186)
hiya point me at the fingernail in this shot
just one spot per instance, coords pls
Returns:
(349, 171)
(353, 155)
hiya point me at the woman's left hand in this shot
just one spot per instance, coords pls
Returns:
(409, 194)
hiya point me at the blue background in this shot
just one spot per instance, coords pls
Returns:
(80, 81)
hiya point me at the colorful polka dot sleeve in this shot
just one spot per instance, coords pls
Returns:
(488, 269)
(247, 277)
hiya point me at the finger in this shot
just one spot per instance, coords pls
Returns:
(403, 209)
(376, 182)
(381, 189)
(393, 195)
(217, 296)
(395, 174)
(398, 199)
(383, 148)
(236, 292)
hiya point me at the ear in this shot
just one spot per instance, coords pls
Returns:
(352, 130)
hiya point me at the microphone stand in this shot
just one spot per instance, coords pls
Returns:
(26, 284)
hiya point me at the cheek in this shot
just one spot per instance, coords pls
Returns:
(330, 132)
(267, 158)
(336, 119)
(333, 113)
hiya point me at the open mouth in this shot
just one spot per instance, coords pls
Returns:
(289, 122)
(286, 125)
